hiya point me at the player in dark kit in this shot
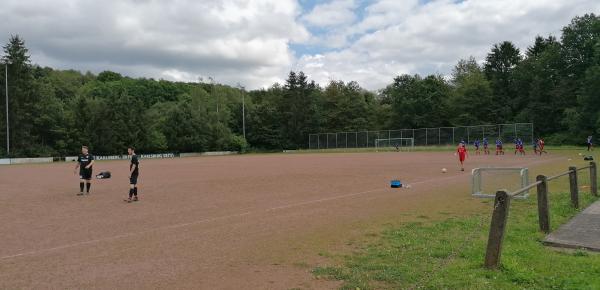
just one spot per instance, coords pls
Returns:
(85, 162)
(134, 171)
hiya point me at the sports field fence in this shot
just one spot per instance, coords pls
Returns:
(422, 136)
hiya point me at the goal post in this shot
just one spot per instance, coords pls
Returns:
(404, 144)
(486, 181)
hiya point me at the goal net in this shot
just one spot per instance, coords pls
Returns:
(487, 181)
(398, 144)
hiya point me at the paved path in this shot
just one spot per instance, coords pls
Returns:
(583, 231)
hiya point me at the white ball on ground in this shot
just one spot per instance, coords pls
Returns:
(444, 170)
(407, 186)
(580, 154)
(569, 159)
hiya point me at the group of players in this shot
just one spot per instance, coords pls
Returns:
(538, 148)
(85, 164)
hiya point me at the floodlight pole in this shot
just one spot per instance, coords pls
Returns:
(244, 112)
(212, 92)
(7, 124)
(243, 89)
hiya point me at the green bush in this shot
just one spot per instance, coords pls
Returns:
(238, 143)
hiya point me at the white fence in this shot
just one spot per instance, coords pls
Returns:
(7, 161)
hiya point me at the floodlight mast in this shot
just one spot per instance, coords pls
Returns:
(243, 108)
(7, 122)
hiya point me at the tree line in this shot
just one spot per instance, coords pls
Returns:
(554, 83)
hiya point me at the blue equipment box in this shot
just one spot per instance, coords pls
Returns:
(395, 184)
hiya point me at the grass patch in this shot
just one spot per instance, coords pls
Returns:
(449, 254)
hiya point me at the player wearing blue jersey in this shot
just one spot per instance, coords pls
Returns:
(519, 146)
(486, 150)
(476, 144)
(499, 150)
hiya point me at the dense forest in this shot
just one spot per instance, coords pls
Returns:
(555, 84)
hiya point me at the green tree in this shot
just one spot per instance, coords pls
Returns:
(539, 85)
(345, 107)
(263, 126)
(418, 102)
(22, 96)
(471, 101)
(299, 109)
(579, 41)
(581, 54)
(499, 67)
(109, 76)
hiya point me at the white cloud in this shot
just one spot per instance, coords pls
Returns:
(231, 40)
(249, 41)
(397, 37)
(334, 13)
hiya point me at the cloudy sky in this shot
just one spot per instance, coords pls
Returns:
(257, 42)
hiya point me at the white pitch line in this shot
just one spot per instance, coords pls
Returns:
(30, 253)
(322, 199)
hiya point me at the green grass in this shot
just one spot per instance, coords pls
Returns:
(449, 254)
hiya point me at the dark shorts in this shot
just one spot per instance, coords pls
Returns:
(133, 179)
(85, 174)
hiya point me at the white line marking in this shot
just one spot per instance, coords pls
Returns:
(30, 253)
(322, 199)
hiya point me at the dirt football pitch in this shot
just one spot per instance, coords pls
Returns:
(231, 222)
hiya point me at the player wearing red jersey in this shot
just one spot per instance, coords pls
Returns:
(462, 155)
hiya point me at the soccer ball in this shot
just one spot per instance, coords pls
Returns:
(580, 154)
(444, 170)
